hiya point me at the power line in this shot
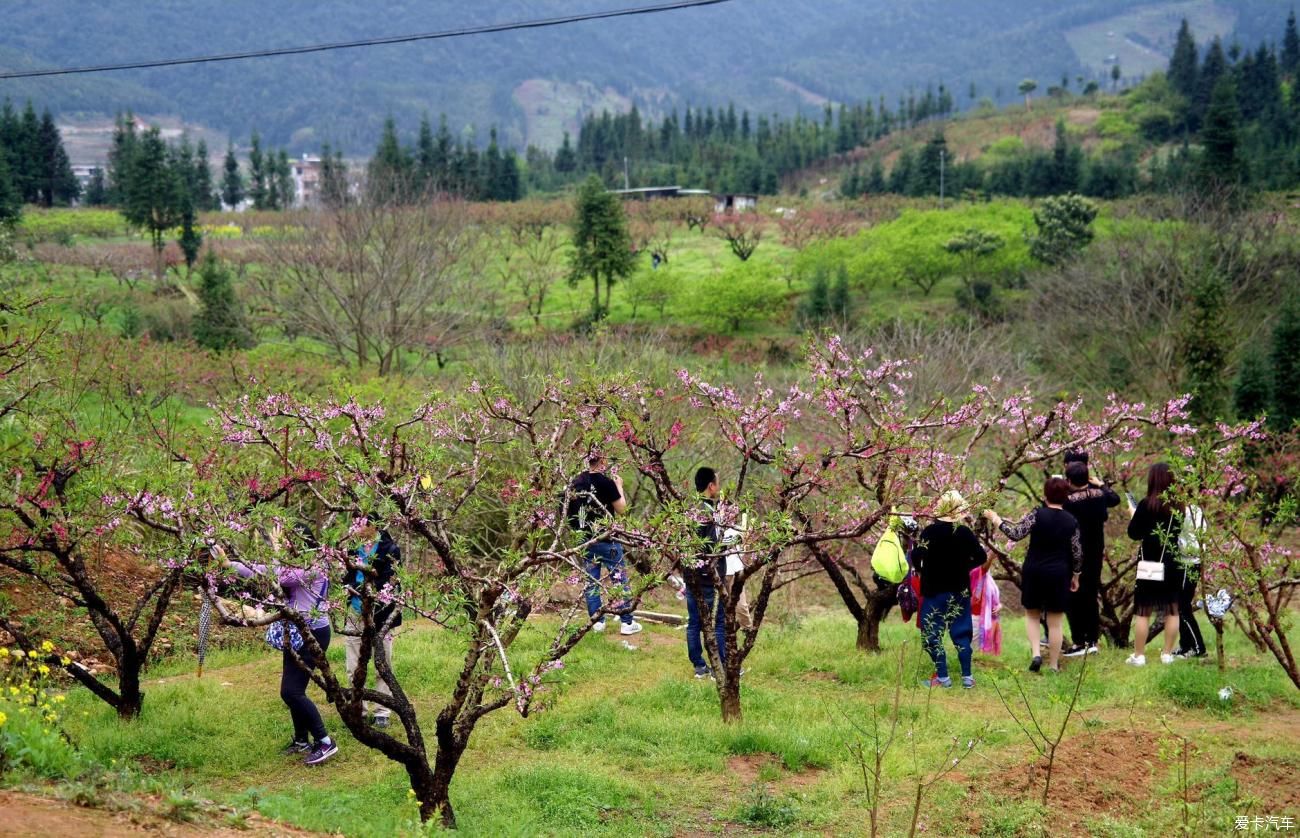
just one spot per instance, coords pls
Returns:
(370, 42)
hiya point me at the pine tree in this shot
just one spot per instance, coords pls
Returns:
(602, 248)
(1067, 162)
(220, 323)
(1290, 58)
(389, 167)
(56, 182)
(565, 159)
(11, 203)
(1205, 348)
(286, 190)
(815, 307)
(333, 178)
(426, 153)
(97, 189)
(258, 174)
(190, 239)
(232, 182)
(205, 198)
(1212, 70)
(1285, 357)
(1252, 390)
(154, 194)
(1219, 163)
(1184, 64)
(121, 157)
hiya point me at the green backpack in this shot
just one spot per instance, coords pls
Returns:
(888, 559)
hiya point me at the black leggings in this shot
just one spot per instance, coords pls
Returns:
(293, 689)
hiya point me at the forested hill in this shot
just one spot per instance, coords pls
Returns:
(763, 55)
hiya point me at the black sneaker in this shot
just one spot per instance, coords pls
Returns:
(320, 752)
(1075, 651)
(1036, 664)
(295, 747)
(703, 672)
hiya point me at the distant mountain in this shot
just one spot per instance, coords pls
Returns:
(764, 55)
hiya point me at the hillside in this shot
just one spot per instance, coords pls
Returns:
(765, 55)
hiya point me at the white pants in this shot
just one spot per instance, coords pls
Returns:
(352, 654)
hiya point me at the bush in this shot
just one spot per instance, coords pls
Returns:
(168, 320)
(742, 293)
(30, 738)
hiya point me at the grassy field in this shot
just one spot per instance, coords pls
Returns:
(634, 746)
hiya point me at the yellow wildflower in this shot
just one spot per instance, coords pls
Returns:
(33, 654)
(47, 646)
(4, 652)
(43, 669)
(3, 719)
(64, 661)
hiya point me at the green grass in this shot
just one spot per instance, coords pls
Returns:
(634, 745)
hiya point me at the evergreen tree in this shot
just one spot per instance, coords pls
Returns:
(815, 307)
(232, 182)
(205, 198)
(27, 173)
(1252, 390)
(840, 303)
(190, 239)
(1064, 228)
(389, 168)
(602, 247)
(97, 189)
(1205, 348)
(1219, 163)
(121, 157)
(427, 170)
(1285, 359)
(1212, 70)
(259, 176)
(220, 323)
(876, 178)
(11, 203)
(1067, 162)
(1290, 58)
(285, 190)
(1184, 64)
(333, 178)
(926, 175)
(154, 194)
(56, 184)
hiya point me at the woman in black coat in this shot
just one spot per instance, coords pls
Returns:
(1157, 526)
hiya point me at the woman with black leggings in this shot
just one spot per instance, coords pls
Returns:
(305, 591)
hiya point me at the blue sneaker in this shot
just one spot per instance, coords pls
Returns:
(936, 681)
(968, 682)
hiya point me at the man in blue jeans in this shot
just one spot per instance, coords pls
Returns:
(701, 582)
(595, 498)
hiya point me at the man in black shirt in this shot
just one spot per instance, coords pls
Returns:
(1089, 502)
(594, 498)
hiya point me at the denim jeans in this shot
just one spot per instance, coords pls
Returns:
(695, 622)
(607, 555)
(947, 613)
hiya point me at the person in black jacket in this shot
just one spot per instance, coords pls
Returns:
(1051, 569)
(1090, 502)
(595, 497)
(1157, 526)
(945, 554)
(381, 554)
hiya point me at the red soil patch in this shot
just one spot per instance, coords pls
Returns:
(1269, 779)
(747, 769)
(39, 817)
(1093, 773)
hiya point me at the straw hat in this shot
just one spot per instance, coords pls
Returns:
(950, 507)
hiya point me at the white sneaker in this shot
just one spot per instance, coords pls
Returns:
(599, 625)
(1136, 660)
(1167, 659)
(1092, 650)
(630, 628)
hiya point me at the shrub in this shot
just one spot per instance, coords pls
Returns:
(743, 292)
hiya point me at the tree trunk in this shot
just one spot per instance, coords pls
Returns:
(130, 698)
(433, 788)
(729, 695)
(879, 603)
(868, 634)
(1218, 646)
(595, 297)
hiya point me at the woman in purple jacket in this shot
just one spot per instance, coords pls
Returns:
(305, 591)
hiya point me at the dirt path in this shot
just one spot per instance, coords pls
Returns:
(40, 817)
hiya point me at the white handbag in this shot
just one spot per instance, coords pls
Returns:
(1151, 571)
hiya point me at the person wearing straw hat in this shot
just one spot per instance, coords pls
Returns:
(945, 554)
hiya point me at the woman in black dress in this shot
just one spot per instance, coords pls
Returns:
(1051, 569)
(1157, 526)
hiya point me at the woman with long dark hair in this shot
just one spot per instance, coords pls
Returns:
(1156, 525)
(1051, 569)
